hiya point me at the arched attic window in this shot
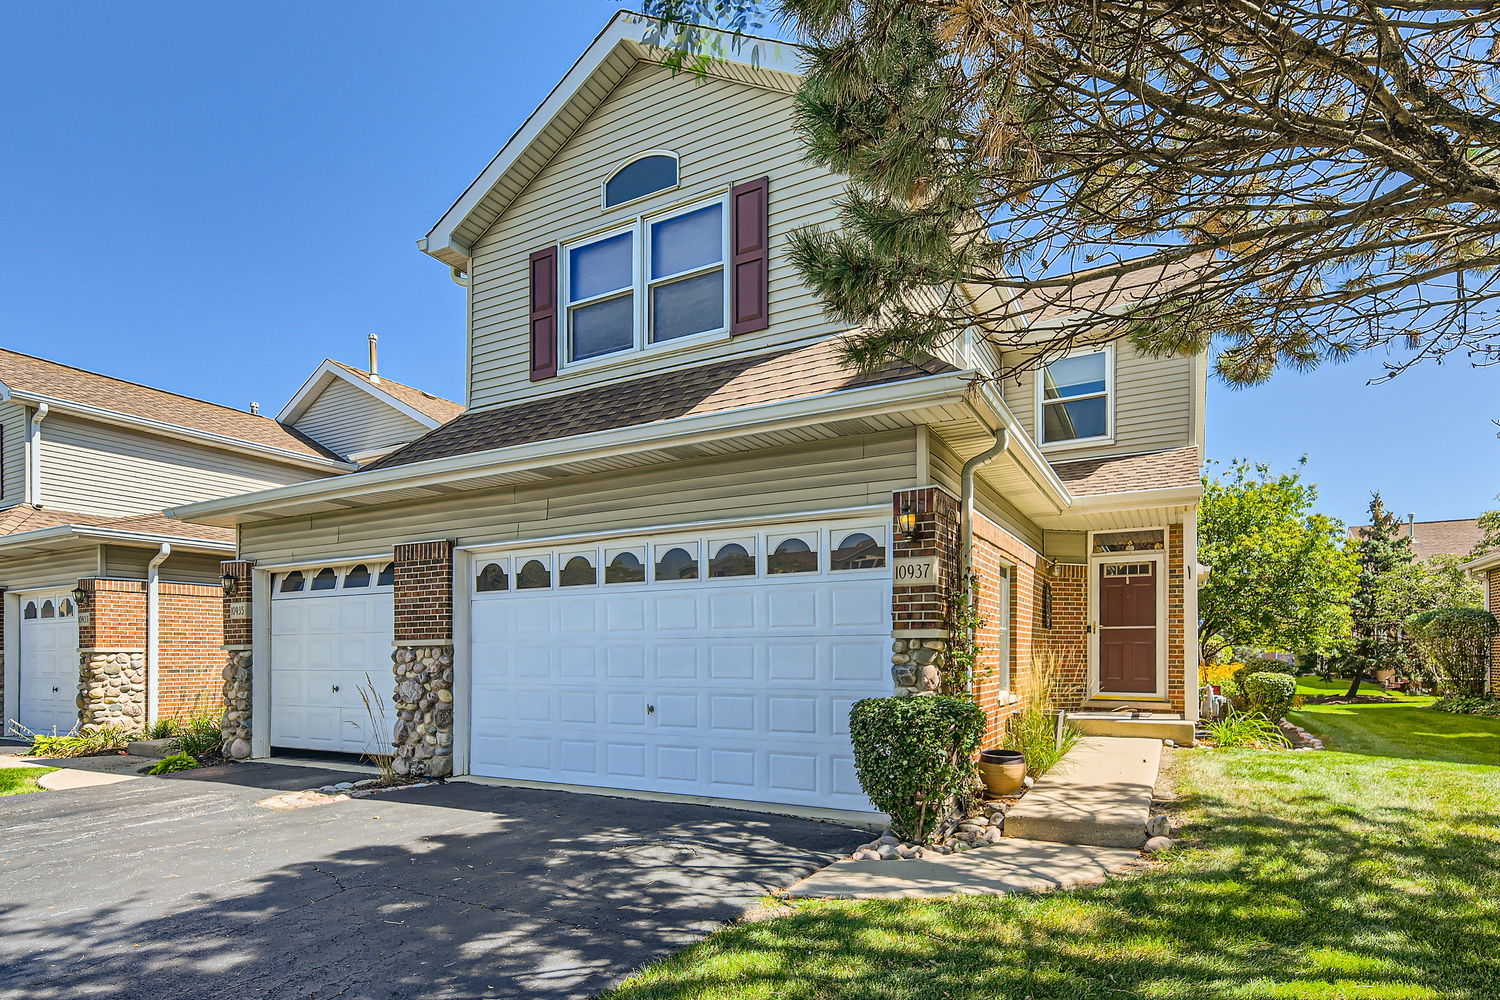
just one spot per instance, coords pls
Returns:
(647, 174)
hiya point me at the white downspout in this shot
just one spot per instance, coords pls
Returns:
(33, 485)
(966, 516)
(153, 630)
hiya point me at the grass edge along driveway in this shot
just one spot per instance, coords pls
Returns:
(1305, 876)
(21, 780)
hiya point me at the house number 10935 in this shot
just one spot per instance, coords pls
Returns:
(914, 570)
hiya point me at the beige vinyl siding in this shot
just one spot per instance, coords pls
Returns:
(61, 568)
(348, 420)
(944, 467)
(94, 468)
(1153, 405)
(1067, 546)
(126, 562)
(724, 133)
(13, 418)
(843, 472)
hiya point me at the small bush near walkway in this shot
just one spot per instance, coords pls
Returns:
(914, 754)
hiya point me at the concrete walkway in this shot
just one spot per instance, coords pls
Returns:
(1100, 794)
(77, 772)
(1009, 866)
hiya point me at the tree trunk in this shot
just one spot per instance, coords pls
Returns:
(1354, 684)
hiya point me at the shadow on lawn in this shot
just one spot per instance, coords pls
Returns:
(1404, 732)
(559, 897)
(1343, 905)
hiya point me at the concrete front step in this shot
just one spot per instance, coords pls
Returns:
(152, 748)
(1099, 795)
(1148, 725)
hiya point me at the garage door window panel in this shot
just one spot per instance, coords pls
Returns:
(794, 554)
(326, 579)
(732, 558)
(292, 583)
(628, 566)
(358, 576)
(30, 611)
(578, 571)
(855, 550)
(535, 573)
(48, 611)
(492, 578)
(677, 563)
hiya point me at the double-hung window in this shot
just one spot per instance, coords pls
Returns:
(657, 279)
(1073, 397)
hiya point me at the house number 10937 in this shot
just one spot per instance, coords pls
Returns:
(914, 570)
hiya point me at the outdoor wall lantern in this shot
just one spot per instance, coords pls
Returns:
(78, 596)
(906, 522)
(230, 583)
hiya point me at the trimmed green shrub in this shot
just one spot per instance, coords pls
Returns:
(1270, 694)
(913, 754)
(1268, 665)
(198, 737)
(176, 762)
(1469, 705)
(1455, 647)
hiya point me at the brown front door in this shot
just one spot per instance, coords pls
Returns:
(1127, 627)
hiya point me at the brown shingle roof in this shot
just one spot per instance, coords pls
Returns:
(436, 407)
(1436, 538)
(48, 378)
(1090, 296)
(787, 374)
(1157, 470)
(24, 517)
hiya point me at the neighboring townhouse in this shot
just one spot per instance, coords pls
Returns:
(1457, 537)
(673, 538)
(1487, 569)
(111, 609)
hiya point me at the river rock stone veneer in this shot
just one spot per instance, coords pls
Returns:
(112, 688)
(423, 738)
(917, 666)
(235, 724)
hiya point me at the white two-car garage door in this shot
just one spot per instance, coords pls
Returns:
(704, 665)
(331, 631)
(49, 664)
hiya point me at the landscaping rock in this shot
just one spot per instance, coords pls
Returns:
(1028, 781)
(1158, 826)
(1157, 844)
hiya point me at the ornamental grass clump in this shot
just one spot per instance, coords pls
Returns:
(1035, 731)
(914, 755)
(92, 741)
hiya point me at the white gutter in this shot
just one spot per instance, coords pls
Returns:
(966, 525)
(153, 629)
(765, 418)
(179, 431)
(33, 492)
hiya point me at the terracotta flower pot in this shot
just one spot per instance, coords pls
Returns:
(1003, 771)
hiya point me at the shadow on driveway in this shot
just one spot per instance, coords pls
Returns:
(184, 888)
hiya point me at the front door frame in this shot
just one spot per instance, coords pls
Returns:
(1096, 564)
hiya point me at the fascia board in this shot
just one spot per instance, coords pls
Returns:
(82, 533)
(764, 418)
(623, 29)
(319, 381)
(87, 411)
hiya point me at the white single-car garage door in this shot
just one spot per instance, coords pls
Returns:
(331, 632)
(720, 665)
(49, 663)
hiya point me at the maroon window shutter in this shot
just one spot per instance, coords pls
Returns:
(750, 258)
(544, 314)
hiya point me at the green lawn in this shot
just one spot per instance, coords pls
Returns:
(20, 780)
(1407, 728)
(1304, 876)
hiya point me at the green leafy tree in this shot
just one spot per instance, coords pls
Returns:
(1290, 182)
(1281, 573)
(1489, 526)
(1379, 608)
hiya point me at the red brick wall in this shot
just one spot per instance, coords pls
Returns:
(994, 548)
(424, 591)
(236, 631)
(1492, 593)
(1176, 581)
(925, 606)
(189, 678)
(190, 664)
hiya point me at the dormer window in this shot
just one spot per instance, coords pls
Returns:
(657, 278)
(646, 174)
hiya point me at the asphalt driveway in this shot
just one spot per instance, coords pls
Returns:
(182, 887)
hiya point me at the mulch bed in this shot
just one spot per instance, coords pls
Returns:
(1359, 699)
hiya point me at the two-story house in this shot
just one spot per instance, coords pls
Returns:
(111, 609)
(673, 539)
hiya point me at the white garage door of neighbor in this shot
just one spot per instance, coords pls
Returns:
(643, 666)
(49, 664)
(331, 632)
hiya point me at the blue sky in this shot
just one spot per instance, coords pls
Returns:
(213, 197)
